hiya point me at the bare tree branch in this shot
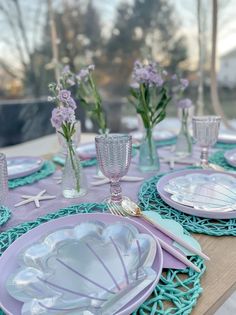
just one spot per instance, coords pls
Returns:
(12, 72)
(14, 32)
(22, 27)
(214, 89)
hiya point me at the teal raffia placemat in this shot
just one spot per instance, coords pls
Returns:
(150, 200)
(218, 158)
(225, 146)
(5, 215)
(177, 291)
(85, 163)
(47, 169)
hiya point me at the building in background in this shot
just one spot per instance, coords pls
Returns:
(227, 73)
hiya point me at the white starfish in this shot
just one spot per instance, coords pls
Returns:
(35, 199)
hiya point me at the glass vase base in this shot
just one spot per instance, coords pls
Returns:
(73, 193)
(149, 168)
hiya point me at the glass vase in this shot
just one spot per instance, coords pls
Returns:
(73, 180)
(184, 139)
(148, 156)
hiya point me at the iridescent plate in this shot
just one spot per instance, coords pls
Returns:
(86, 151)
(82, 264)
(230, 157)
(158, 135)
(202, 193)
(23, 165)
(227, 137)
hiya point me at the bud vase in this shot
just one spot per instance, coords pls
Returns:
(73, 180)
(184, 139)
(148, 156)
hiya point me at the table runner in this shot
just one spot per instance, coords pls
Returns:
(177, 291)
(150, 200)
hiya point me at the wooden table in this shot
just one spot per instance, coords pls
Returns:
(219, 280)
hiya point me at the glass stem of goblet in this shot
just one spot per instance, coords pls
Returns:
(204, 156)
(116, 192)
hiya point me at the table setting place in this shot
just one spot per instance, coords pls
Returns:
(104, 227)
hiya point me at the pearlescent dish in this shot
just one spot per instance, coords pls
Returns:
(211, 212)
(89, 268)
(230, 157)
(86, 151)
(227, 137)
(215, 192)
(22, 166)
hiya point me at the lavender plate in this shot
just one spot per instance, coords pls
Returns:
(227, 137)
(167, 196)
(230, 157)
(86, 151)
(34, 250)
(21, 166)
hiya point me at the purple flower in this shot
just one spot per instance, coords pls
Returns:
(134, 85)
(147, 74)
(184, 84)
(83, 75)
(62, 115)
(70, 81)
(174, 77)
(184, 103)
(91, 67)
(66, 70)
(71, 103)
(64, 95)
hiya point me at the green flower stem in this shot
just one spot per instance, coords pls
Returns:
(98, 106)
(74, 165)
(150, 143)
(144, 114)
(184, 127)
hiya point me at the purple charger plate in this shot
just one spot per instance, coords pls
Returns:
(37, 164)
(165, 196)
(230, 157)
(8, 260)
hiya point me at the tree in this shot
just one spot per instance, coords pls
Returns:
(143, 29)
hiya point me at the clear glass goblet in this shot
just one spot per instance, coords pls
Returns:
(205, 132)
(114, 156)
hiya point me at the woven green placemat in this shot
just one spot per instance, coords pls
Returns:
(5, 215)
(180, 288)
(151, 200)
(225, 146)
(218, 158)
(47, 169)
(85, 163)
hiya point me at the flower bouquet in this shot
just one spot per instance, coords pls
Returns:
(150, 96)
(87, 93)
(185, 112)
(63, 119)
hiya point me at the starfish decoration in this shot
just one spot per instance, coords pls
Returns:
(177, 159)
(35, 199)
